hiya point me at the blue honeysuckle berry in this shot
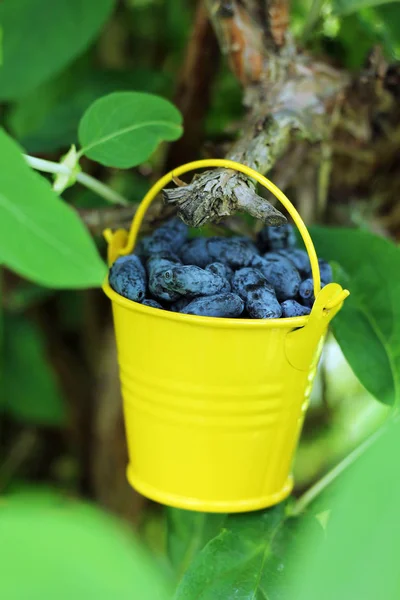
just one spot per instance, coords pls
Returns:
(292, 308)
(258, 295)
(195, 252)
(151, 303)
(190, 280)
(281, 273)
(206, 276)
(221, 270)
(276, 238)
(230, 251)
(156, 266)
(128, 278)
(221, 305)
(298, 257)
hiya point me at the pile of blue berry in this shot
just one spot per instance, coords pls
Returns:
(219, 276)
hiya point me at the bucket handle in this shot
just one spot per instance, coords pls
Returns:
(228, 164)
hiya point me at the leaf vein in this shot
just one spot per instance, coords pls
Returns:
(174, 127)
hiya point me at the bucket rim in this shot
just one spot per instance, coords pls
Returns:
(219, 322)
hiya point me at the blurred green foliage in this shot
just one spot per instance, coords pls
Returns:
(370, 319)
(30, 391)
(357, 559)
(57, 59)
(61, 254)
(48, 119)
(63, 30)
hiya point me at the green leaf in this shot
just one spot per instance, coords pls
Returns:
(345, 7)
(48, 118)
(188, 533)
(390, 17)
(42, 238)
(368, 326)
(30, 390)
(42, 36)
(368, 34)
(64, 549)
(247, 559)
(123, 129)
(371, 27)
(359, 559)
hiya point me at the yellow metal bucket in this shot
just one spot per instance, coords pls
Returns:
(214, 407)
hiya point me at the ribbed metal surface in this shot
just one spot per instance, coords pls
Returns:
(212, 416)
(257, 407)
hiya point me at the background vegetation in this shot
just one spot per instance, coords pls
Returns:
(70, 525)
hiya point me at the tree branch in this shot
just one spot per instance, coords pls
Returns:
(297, 107)
(288, 94)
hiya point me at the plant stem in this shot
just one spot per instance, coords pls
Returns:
(101, 189)
(309, 496)
(88, 181)
(46, 165)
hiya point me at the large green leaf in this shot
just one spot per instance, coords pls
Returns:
(29, 387)
(360, 557)
(188, 533)
(124, 128)
(53, 547)
(40, 37)
(56, 127)
(345, 7)
(42, 238)
(368, 326)
(246, 560)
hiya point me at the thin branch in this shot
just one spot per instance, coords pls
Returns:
(88, 181)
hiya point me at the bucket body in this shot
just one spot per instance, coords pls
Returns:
(213, 408)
